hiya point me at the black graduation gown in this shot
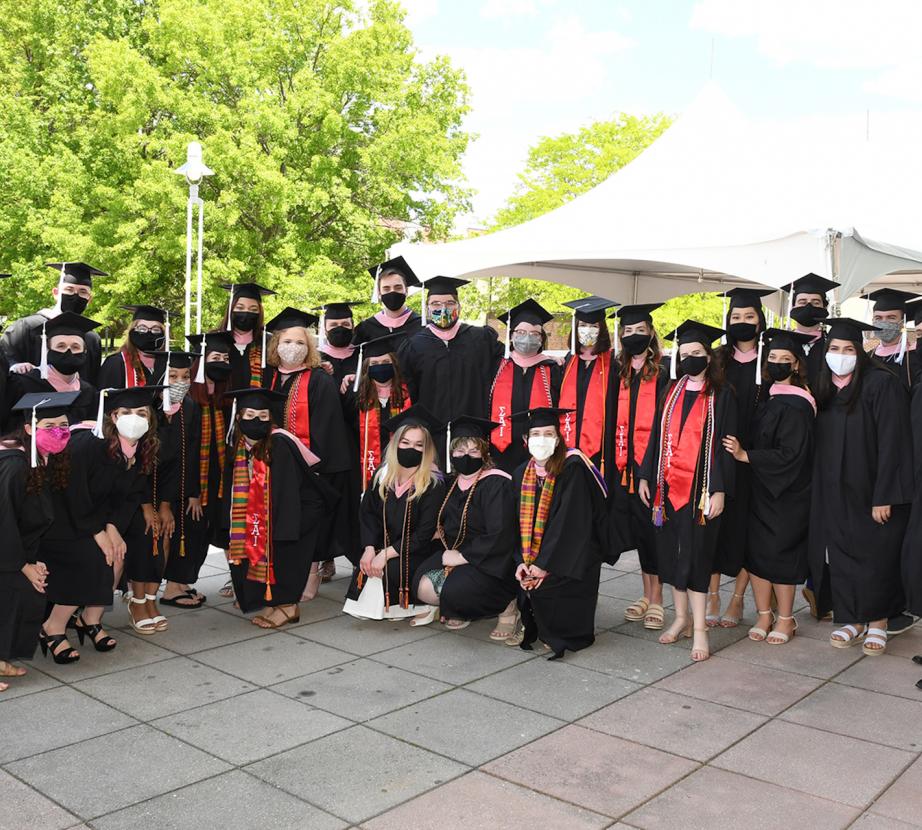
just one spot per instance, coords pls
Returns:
(241, 376)
(23, 520)
(685, 550)
(300, 499)
(485, 585)
(342, 366)
(561, 613)
(112, 373)
(523, 380)
(584, 370)
(451, 378)
(781, 459)
(330, 440)
(5, 403)
(631, 523)
(863, 459)
(912, 541)
(22, 343)
(816, 359)
(731, 541)
(908, 370)
(371, 328)
(82, 409)
(375, 517)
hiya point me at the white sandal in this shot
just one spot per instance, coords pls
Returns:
(712, 620)
(846, 636)
(145, 626)
(757, 634)
(780, 637)
(878, 636)
(426, 618)
(160, 622)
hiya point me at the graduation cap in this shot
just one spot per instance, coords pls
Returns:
(791, 341)
(337, 311)
(467, 426)
(246, 291)
(177, 359)
(146, 312)
(691, 331)
(542, 416)
(76, 273)
(744, 297)
(253, 397)
(377, 347)
(528, 311)
(69, 323)
(135, 396)
(50, 405)
(844, 328)
(889, 299)
(415, 416)
(442, 285)
(631, 315)
(5, 276)
(590, 309)
(916, 310)
(810, 284)
(289, 318)
(221, 341)
(397, 265)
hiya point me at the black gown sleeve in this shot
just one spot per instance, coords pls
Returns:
(329, 434)
(289, 472)
(723, 466)
(87, 459)
(424, 518)
(371, 519)
(890, 410)
(111, 374)
(14, 467)
(491, 548)
(779, 466)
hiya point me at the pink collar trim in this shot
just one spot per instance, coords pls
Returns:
(585, 353)
(816, 335)
(695, 385)
(445, 334)
(306, 453)
(242, 337)
(638, 362)
(893, 348)
(843, 381)
(466, 482)
(393, 322)
(400, 489)
(128, 449)
(339, 352)
(791, 389)
(63, 383)
(147, 361)
(527, 361)
(744, 357)
(283, 371)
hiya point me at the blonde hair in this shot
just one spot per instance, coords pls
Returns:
(312, 361)
(423, 478)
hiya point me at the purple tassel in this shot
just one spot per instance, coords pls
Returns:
(658, 516)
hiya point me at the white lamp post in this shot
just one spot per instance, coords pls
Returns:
(194, 170)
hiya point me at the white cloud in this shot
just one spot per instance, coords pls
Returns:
(499, 9)
(419, 11)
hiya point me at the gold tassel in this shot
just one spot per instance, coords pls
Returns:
(360, 580)
(624, 477)
(387, 601)
(268, 595)
(182, 545)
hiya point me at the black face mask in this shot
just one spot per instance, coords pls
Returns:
(779, 371)
(254, 429)
(217, 370)
(339, 336)
(147, 342)
(393, 300)
(381, 372)
(693, 365)
(244, 320)
(409, 458)
(742, 332)
(74, 303)
(466, 465)
(636, 344)
(808, 315)
(67, 362)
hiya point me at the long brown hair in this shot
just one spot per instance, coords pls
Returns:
(149, 445)
(652, 364)
(313, 359)
(368, 392)
(130, 350)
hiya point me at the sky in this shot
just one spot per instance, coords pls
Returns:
(542, 67)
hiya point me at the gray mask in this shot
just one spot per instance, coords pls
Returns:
(527, 344)
(178, 391)
(889, 332)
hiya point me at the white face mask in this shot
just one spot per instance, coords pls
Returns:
(131, 426)
(542, 447)
(841, 364)
(587, 335)
(292, 354)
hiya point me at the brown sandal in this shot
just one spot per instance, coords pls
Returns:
(265, 622)
(655, 618)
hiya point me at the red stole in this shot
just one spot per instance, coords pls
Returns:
(681, 448)
(258, 511)
(133, 377)
(644, 415)
(592, 432)
(501, 399)
(297, 407)
(370, 437)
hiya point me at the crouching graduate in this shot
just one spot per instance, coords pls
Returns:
(398, 518)
(470, 573)
(277, 505)
(560, 503)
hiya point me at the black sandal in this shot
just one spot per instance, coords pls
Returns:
(49, 642)
(105, 643)
(198, 600)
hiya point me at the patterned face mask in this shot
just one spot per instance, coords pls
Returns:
(444, 318)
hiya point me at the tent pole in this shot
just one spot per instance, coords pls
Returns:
(634, 294)
(832, 241)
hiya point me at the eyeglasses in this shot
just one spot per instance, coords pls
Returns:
(520, 333)
(451, 305)
(80, 292)
(149, 329)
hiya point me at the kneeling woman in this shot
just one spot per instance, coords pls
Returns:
(470, 574)
(277, 504)
(399, 511)
(560, 503)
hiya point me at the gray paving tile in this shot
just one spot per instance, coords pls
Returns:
(361, 690)
(21, 806)
(163, 688)
(903, 800)
(566, 691)
(391, 772)
(886, 673)
(272, 659)
(453, 659)
(210, 585)
(114, 771)
(33, 681)
(681, 725)
(632, 658)
(873, 821)
(836, 767)
(233, 799)
(871, 716)
(207, 628)
(718, 638)
(609, 612)
(628, 561)
(28, 729)
(711, 798)
(802, 655)
(466, 726)
(252, 726)
(363, 637)
(628, 586)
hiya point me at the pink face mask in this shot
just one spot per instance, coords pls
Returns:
(52, 440)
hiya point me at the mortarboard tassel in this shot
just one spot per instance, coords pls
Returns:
(573, 333)
(100, 412)
(230, 424)
(166, 371)
(448, 448)
(230, 309)
(508, 335)
(615, 343)
(903, 335)
(43, 364)
(723, 337)
(61, 285)
(674, 357)
(34, 451)
(358, 370)
(200, 371)
(422, 309)
(787, 324)
(375, 294)
(262, 353)
(321, 332)
(759, 360)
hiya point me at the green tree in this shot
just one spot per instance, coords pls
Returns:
(324, 131)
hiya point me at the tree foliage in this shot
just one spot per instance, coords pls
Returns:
(323, 129)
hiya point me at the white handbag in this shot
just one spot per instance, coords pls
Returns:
(370, 604)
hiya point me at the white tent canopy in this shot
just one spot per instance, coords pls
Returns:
(716, 201)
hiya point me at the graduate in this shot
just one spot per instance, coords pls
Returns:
(65, 355)
(398, 515)
(640, 381)
(313, 412)
(779, 454)
(889, 319)
(526, 378)
(33, 462)
(184, 531)
(276, 504)
(862, 489)
(562, 538)
(393, 281)
(741, 364)
(686, 478)
(912, 540)
(808, 307)
(336, 328)
(244, 319)
(133, 364)
(588, 385)
(470, 574)
(21, 342)
(449, 366)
